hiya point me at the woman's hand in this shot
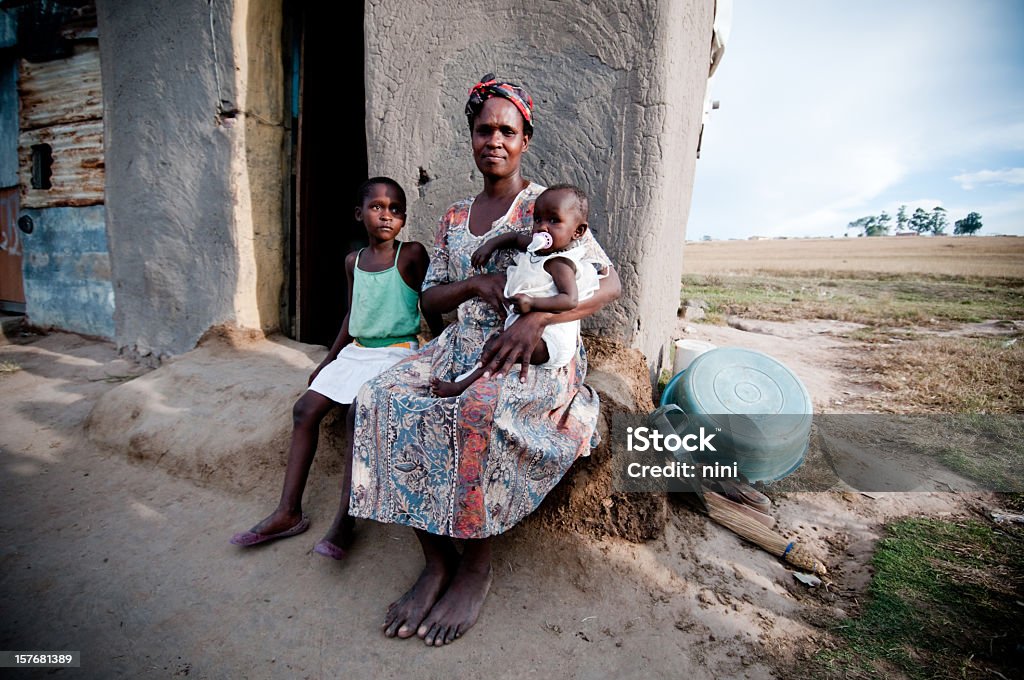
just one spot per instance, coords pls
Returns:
(517, 343)
(514, 345)
(446, 297)
(491, 289)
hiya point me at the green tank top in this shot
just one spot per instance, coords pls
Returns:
(384, 308)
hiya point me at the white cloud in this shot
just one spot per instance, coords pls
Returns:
(969, 180)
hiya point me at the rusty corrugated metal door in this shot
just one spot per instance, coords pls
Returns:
(66, 268)
(62, 121)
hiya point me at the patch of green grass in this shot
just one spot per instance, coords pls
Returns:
(917, 369)
(943, 603)
(7, 367)
(663, 380)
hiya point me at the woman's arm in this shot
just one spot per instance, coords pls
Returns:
(442, 295)
(516, 344)
(445, 297)
(413, 263)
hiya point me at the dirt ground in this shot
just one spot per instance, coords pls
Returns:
(131, 565)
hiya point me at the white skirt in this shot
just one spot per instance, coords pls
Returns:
(341, 379)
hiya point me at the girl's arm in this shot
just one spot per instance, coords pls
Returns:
(343, 336)
(516, 344)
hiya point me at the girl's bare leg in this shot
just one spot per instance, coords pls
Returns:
(308, 413)
(457, 610)
(441, 559)
(340, 532)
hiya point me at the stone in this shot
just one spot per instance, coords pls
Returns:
(693, 314)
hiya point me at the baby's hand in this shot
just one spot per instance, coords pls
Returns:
(481, 255)
(522, 303)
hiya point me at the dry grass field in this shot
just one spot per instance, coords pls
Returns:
(987, 256)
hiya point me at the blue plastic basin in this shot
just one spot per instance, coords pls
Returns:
(759, 410)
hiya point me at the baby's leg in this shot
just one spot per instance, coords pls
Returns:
(444, 388)
(540, 354)
(560, 341)
(453, 389)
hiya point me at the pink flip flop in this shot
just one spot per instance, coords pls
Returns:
(248, 538)
(328, 549)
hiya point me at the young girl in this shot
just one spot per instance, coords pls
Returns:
(550, 274)
(379, 330)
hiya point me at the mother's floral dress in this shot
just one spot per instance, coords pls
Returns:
(474, 465)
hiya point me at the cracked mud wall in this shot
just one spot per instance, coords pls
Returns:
(193, 101)
(618, 91)
(195, 143)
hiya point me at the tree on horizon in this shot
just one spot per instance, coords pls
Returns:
(938, 221)
(968, 225)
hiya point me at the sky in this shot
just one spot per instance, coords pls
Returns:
(834, 110)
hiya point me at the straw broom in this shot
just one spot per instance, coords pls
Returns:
(757, 533)
(720, 509)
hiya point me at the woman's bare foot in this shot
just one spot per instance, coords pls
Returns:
(442, 560)
(459, 607)
(444, 389)
(405, 615)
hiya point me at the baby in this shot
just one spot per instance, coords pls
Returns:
(550, 274)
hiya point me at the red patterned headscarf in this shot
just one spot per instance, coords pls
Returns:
(489, 86)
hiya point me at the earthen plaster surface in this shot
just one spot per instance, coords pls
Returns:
(618, 93)
(193, 185)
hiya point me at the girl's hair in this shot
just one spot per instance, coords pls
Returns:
(489, 86)
(364, 189)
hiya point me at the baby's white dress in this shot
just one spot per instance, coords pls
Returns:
(528, 276)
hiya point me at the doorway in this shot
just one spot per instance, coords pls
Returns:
(12, 290)
(327, 94)
(12, 287)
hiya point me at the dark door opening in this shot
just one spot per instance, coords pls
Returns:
(328, 162)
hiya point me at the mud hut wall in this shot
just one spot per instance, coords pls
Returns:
(259, 173)
(193, 100)
(618, 93)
